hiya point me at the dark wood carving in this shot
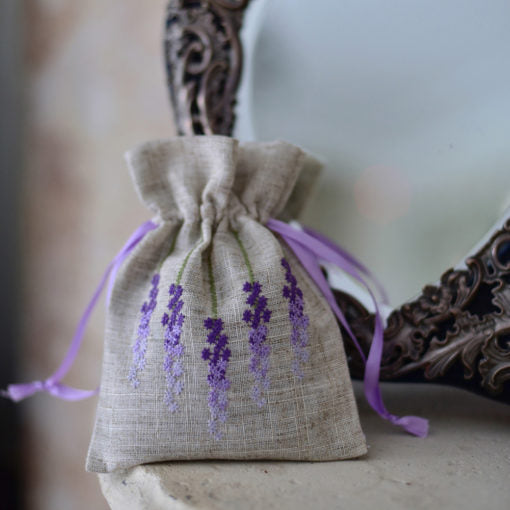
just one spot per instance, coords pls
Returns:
(204, 61)
(457, 332)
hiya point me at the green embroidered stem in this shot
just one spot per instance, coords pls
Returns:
(212, 288)
(172, 247)
(181, 270)
(245, 256)
(185, 261)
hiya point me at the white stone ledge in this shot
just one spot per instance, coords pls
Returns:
(464, 463)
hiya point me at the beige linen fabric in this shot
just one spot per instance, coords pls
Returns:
(212, 197)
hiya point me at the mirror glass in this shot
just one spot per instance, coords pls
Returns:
(408, 104)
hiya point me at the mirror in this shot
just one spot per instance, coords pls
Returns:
(407, 103)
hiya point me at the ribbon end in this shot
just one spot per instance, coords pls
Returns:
(18, 392)
(414, 425)
(71, 394)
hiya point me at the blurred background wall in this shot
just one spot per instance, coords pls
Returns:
(93, 85)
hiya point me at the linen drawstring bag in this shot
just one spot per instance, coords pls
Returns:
(221, 337)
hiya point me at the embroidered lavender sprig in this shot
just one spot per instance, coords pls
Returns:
(173, 323)
(140, 345)
(257, 317)
(299, 320)
(173, 348)
(217, 355)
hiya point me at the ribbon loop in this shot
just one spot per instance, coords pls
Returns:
(311, 248)
(52, 384)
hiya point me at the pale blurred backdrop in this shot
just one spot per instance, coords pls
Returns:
(93, 85)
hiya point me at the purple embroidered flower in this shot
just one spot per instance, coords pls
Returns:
(257, 317)
(140, 345)
(217, 355)
(173, 348)
(298, 319)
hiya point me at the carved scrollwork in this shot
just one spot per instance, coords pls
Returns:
(204, 61)
(457, 332)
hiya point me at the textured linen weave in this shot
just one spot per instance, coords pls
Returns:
(285, 395)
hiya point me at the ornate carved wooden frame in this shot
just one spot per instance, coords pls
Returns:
(204, 61)
(457, 332)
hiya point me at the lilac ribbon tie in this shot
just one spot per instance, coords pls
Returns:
(52, 385)
(311, 248)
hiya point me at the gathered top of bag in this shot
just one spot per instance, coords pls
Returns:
(215, 178)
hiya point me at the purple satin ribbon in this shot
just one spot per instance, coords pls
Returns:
(311, 248)
(52, 385)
